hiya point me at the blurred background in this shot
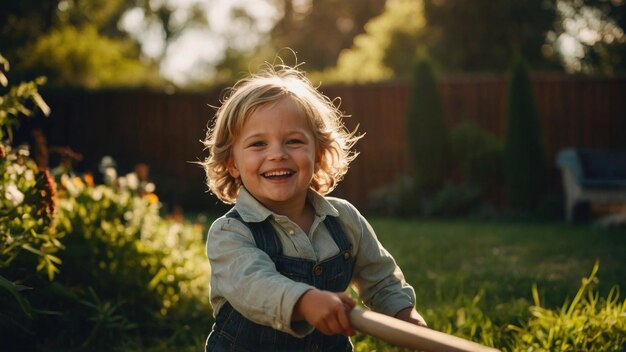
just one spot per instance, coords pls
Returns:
(493, 165)
(149, 73)
(173, 44)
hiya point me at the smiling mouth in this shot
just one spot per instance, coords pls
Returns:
(278, 174)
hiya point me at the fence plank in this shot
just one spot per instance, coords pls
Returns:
(164, 130)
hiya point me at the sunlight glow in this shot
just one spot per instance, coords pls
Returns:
(189, 56)
(150, 36)
(195, 52)
(582, 28)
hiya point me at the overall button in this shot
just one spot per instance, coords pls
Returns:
(315, 347)
(317, 270)
(346, 255)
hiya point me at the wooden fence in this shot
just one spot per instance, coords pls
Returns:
(164, 130)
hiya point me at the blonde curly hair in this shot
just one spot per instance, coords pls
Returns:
(333, 140)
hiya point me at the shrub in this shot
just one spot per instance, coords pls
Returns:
(128, 276)
(394, 199)
(118, 275)
(27, 207)
(524, 155)
(27, 194)
(453, 200)
(126, 271)
(427, 134)
(29, 242)
(27, 211)
(477, 154)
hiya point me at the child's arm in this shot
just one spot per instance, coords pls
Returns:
(410, 315)
(326, 311)
(377, 278)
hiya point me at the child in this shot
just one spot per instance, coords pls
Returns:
(283, 256)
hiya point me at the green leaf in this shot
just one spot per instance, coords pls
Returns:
(15, 289)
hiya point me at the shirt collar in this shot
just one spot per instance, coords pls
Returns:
(251, 210)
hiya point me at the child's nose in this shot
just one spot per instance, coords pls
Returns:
(278, 152)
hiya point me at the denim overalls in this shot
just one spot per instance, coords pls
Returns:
(233, 332)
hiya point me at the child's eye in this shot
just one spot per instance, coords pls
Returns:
(295, 141)
(257, 144)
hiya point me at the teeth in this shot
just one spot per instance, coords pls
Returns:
(277, 173)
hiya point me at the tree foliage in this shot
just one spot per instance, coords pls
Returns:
(318, 30)
(589, 36)
(23, 22)
(386, 49)
(524, 154)
(71, 56)
(78, 42)
(485, 34)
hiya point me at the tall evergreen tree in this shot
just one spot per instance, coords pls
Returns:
(524, 155)
(427, 134)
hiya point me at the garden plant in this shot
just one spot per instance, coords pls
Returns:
(427, 134)
(524, 155)
(90, 266)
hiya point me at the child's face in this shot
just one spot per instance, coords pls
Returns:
(274, 155)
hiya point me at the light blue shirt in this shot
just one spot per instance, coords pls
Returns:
(246, 277)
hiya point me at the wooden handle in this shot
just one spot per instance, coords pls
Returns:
(400, 333)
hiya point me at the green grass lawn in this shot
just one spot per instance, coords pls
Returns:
(456, 265)
(443, 258)
(472, 279)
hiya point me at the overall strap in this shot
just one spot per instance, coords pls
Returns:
(264, 234)
(336, 231)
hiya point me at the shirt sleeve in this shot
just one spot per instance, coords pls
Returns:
(247, 278)
(377, 278)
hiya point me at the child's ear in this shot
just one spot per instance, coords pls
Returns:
(232, 169)
(318, 162)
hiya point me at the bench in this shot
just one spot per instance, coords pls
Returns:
(592, 176)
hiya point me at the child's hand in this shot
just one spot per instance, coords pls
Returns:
(410, 315)
(326, 311)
